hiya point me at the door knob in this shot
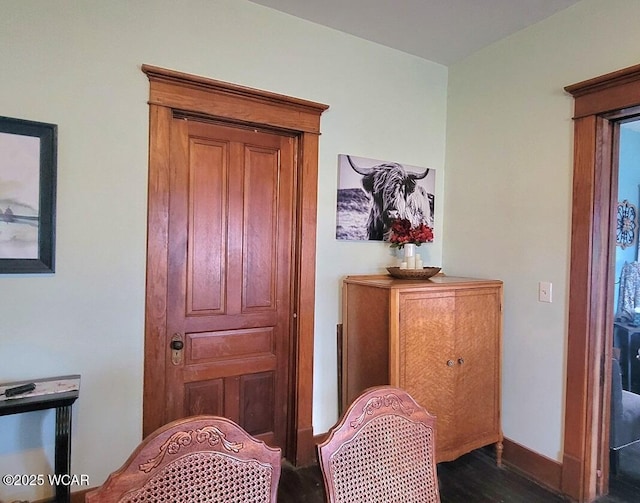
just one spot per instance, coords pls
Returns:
(176, 346)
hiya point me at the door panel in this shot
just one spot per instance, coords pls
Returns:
(477, 360)
(425, 321)
(205, 397)
(206, 218)
(217, 346)
(260, 266)
(256, 392)
(229, 273)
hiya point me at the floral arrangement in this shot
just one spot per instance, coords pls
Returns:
(403, 233)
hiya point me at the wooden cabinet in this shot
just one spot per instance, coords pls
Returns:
(440, 340)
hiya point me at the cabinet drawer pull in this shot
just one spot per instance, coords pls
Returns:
(460, 361)
(450, 363)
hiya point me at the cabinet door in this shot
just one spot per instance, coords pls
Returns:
(477, 357)
(425, 345)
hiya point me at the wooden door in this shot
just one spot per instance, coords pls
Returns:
(173, 94)
(231, 218)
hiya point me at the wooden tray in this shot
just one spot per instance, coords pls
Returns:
(424, 273)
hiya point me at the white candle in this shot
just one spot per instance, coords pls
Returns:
(411, 262)
(403, 265)
(418, 263)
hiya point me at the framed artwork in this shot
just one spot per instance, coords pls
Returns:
(372, 193)
(28, 157)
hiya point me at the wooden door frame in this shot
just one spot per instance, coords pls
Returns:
(172, 92)
(599, 104)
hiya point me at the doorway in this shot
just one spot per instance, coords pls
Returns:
(176, 99)
(625, 387)
(600, 105)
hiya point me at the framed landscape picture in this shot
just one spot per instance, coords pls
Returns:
(28, 156)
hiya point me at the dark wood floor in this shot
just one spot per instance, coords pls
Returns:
(469, 479)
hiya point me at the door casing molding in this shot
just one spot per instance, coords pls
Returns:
(600, 104)
(174, 92)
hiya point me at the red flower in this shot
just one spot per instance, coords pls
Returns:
(402, 233)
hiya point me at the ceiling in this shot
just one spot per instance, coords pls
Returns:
(443, 31)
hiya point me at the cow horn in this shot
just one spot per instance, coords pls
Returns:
(417, 176)
(360, 171)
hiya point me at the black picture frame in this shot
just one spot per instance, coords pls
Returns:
(44, 168)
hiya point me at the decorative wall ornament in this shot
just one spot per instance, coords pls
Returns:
(627, 224)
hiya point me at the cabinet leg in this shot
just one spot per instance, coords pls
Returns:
(499, 449)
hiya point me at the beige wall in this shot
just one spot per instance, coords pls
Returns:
(508, 191)
(77, 64)
(506, 213)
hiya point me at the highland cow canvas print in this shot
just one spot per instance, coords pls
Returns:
(372, 193)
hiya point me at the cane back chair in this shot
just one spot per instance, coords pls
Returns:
(195, 459)
(382, 450)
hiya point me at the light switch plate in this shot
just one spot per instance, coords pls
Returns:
(544, 291)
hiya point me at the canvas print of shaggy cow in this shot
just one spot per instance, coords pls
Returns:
(372, 193)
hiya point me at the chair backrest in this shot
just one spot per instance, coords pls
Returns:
(382, 450)
(200, 458)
